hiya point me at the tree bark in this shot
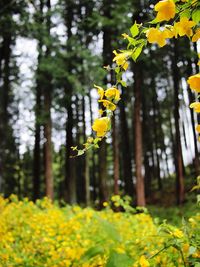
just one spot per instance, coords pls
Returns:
(115, 155)
(125, 145)
(70, 179)
(38, 106)
(140, 189)
(178, 148)
(48, 173)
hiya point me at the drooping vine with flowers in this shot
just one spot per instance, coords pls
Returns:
(173, 19)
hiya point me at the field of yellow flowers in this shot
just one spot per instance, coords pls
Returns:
(43, 234)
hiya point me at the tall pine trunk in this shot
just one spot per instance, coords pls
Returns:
(178, 148)
(140, 188)
(115, 136)
(48, 172)
(125, 145)
(38, 106)
(70, 179)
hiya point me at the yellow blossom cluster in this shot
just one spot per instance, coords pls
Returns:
(194, 83)
(44, 235)
(108, 98)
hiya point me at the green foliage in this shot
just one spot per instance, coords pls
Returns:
(119, 260)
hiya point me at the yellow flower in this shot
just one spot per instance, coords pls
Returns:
(166, 10)
(108, 105)
(195, 106)
(101, 126)
(101, 112)
(194, 82)
(178, 233)
(105, 204)
(115, 198)
(113, 94)
(121, 58)
(170, 32)
(144, 262)
(156, 36)
(186, 248)
(100, 91)
(198, 128)
(183, 27)
(125, 35)
(196, 36)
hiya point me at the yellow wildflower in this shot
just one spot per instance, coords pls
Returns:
(195, 106)
(115, 198)
(196, 36)
(90, 140)
(100, 91)
(125, 35)
(194, 82)
(101, 126)
(113, 94)
(108, 105)
(156, 36)
(166, 10)
(178, 233)
(198, 128)
(170, 32)
(186, 248)
(144, 262)
(183, 27)
(105, 204)
(101, 112)
(121, 58)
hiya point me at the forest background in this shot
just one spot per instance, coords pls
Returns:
(51, 55)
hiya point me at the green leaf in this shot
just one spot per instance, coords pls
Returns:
(123, 83)
(119, 260)
(134, 30)
(186, 13)
(197, 264)
(80, 152)
(131, 41)
(137, 52)
(117, 69)
(196, 15)
(119, 76)
(109, 230)
(154, 21)
(91, 253)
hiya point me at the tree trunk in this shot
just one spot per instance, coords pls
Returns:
(178, 149)
(48, 173)
(70, 179)
(70, 182)
(115, 155)
(37, 152)
(140, 190)
(107, 60)
(86, 177)
(125, 145)
(93, 169)
(156, 136)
